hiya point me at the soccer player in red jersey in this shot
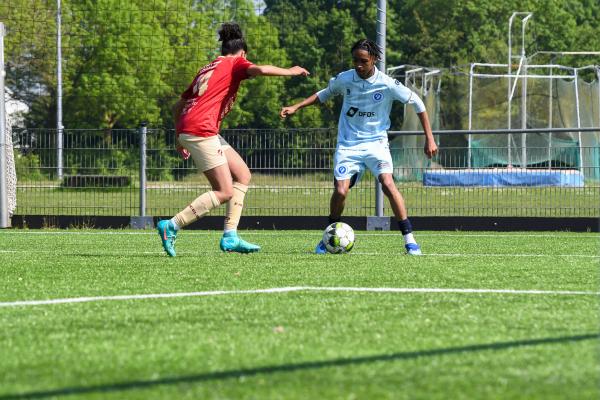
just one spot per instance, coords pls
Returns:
(198, 115)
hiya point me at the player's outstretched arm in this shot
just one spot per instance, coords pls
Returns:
(285, 111)
(271, 70)
(430, 148)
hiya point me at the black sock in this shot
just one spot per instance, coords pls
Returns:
(405, 226)
(333, 220)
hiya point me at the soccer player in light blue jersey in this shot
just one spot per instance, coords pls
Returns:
(362, 140)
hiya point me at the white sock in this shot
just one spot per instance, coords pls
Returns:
(227, 231)
(175, 226)
(408, 238)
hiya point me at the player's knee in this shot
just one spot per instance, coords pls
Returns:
(387, 183)
(224, 195)
(245, 178)
(341, 192)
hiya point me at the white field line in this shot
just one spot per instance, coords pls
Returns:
(361, 253)
(553, 235)
(504, 255)
(294, 289)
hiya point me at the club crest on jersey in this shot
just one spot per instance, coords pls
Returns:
(342, 169)
(397, 82)
(377, 97)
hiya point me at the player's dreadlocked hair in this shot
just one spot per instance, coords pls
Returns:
(233, 40)
(368, 45)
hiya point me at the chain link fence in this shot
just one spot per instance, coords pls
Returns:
(118, 63)
(292, 176)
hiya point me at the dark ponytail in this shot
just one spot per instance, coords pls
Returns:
(232, 39)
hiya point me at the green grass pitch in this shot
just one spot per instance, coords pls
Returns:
(439, 343)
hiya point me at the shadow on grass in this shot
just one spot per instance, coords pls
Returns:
(238, 373)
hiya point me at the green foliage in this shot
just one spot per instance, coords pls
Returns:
(117, 78)
(259, 99)
(27, 166)
(30, 48)
(128, 61)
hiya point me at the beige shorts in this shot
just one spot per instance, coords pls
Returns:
(207, 152)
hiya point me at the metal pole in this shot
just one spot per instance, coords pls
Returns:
(578, 119)
(143, 136)
(59, 125)
(469, 137)
(550, 116)
(598, 82)
(597, 166)
(509, 97)
(510, 57)
(3, 144)
(524, 116)
(524, 93)
(381, 42)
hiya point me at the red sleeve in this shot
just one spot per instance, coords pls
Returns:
(240, 67)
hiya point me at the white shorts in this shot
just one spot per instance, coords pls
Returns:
(351, 162)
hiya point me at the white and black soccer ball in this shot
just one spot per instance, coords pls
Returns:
(338, 238)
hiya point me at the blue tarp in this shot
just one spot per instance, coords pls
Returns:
(503, 177)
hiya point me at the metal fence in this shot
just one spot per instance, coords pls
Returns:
(292, 176)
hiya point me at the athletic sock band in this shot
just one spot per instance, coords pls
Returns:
(333, 220)
(405, 226)
(197, 209)
(235, 206)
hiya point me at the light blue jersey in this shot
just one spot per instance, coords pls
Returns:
(365, 114)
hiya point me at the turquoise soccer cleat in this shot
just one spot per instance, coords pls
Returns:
(321, 249)
(167, 235)
(413, 249)
(232, 243)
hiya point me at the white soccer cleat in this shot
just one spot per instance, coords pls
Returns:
(413, 249)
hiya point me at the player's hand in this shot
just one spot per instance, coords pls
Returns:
(430, 148)
(285, 111)
(183, 152)
(299, 71)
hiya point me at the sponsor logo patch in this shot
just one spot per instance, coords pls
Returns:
(342, 169)
(352, 111)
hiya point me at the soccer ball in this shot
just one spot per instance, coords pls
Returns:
(338, 238)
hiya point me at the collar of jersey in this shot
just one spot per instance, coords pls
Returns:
(370, 79)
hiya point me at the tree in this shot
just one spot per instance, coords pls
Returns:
(30, 48)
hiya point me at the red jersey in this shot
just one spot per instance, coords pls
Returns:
(211, 96)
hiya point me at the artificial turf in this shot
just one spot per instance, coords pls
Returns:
(305, 343)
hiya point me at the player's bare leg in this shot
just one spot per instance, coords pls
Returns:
(241, 176)
(397, 202)
(220, 181)
(338, 199)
